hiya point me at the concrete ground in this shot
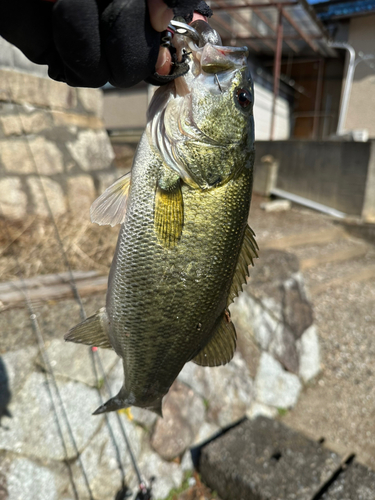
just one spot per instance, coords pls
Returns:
(340, 275)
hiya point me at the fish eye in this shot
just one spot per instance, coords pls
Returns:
(244, 98)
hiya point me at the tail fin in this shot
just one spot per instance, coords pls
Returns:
(92, 331)
(156, 407)
(112, 404)
(118, 402)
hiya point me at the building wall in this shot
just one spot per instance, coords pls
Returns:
(263, 113)
(125, 110)
(361, 109)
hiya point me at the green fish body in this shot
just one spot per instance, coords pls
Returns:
(184, 246)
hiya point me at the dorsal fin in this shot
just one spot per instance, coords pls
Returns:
(221, 347)
(249, 252)
(169, 215)
(92, 331)
(110, 207)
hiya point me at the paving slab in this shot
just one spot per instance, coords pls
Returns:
(357, 482)
(262, 459)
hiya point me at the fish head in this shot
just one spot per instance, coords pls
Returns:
(202, 124)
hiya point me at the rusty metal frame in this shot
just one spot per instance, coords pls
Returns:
(243, 22)
(318, 98)
(306, 38)
(276, 67)
(268, 23)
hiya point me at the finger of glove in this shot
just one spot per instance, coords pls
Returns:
(131, 44)
(185, 8)
(77, 40)
(27, 25)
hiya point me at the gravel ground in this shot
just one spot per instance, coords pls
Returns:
(341, 406)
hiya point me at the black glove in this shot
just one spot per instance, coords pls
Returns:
(87, 43)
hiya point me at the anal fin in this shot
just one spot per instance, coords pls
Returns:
(169, 215)
(92, 331)
(220, 349)
(249, 252)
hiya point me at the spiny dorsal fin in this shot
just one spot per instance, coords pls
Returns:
(92, 331)
(249, 252)
(169, 215)
(221, 347)
(110, 207)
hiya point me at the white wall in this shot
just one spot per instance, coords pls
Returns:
(263, 112)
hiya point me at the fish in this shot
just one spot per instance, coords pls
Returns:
(184, 247)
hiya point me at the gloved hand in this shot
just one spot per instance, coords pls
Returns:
(87, 43)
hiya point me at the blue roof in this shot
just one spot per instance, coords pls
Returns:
(343, 9)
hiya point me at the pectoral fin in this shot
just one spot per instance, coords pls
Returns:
(221, 347)
(92, 331)
(249, 252)
(110, 207)
(169, 215)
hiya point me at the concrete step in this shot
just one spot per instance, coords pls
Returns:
(263, 459)
(340, 255)
(322, 237)
(365, 274)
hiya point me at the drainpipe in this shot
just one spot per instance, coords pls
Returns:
(353, 62)
(348, 84)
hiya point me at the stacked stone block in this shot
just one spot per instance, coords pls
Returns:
(51, 135)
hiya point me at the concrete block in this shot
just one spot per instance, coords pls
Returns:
(92, 150)
(25, 88)
(262, 459)
(265, 175)
(20, 156)
(354, 483)
(54, 194)
(368, 210)
(13, 199)
(81, 194)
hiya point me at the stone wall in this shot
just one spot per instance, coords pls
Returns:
(50, 129)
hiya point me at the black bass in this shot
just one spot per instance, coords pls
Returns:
(184, 246)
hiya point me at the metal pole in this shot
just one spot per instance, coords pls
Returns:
(276, 67)
(318, 98)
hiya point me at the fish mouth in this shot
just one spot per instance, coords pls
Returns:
(213, 63)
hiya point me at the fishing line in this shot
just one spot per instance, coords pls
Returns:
(109, 427)
(144, 492)
(47, 365)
